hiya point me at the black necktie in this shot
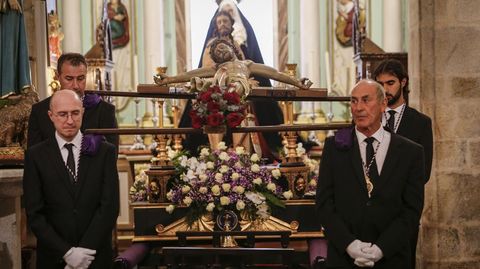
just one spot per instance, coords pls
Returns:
(372, 169)
(71, 162)
(391, 120)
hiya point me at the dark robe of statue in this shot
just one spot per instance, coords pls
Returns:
(14, 65)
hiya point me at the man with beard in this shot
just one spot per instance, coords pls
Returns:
(404, 120)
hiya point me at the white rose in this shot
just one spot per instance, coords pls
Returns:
(169, 195)
(210, 165)
(170, 208)
(313, 183)
(187, 200)
(224, 156)
(216, 190)
(240, 205)
(271, 186)
(133, 189)
(210, 207)
(239, 189)
(254, 158)
(222, 146)
(276, 173)
(257, 181)
(204, 152)
(239, 150)
(185, 189)
(235, 176)
(255, 168)
(223, 169)
(226, 187)
(202, 177)
(288, 195)
(238, 165)
(224, 200)
(203, 190)
(183, 161)
(218, 177)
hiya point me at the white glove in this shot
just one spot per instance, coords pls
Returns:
(375, 252)
(79, 257)
(355, 249)
(363, 262)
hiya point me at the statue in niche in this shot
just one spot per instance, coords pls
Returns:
(345, 20)
(118, 15)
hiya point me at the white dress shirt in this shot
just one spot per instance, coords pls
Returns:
(381, 136)
(77, 145)
(398, 116)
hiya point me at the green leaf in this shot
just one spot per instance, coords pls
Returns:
(274, 200)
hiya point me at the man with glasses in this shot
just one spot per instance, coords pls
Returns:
(72, 74)
(71, 192)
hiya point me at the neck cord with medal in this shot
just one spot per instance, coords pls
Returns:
(397, 120)
(74, 175)
(366, 168)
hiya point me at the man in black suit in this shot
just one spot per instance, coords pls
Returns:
(71, 192)
(370, 188)
(404, 120)
(72, 74)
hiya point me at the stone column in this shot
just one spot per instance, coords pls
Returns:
(153, 41)
(392, 26)
(10, 243)
(309, 48)
(445, 83)
(72, 26)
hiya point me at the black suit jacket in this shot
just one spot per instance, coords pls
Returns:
(418, 128)
(40, 127)
(63, 215)
(387, 218)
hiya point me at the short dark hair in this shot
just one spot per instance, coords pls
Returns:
(74, 59)
(394, 68)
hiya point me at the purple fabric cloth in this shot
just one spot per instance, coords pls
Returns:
(91, 100)
(317, 248)
(344, 138)
(134, 254)
(91, 144)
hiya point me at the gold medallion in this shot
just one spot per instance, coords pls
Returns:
(369, 185)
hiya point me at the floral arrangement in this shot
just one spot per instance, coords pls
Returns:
(225, 179)
(217, 106)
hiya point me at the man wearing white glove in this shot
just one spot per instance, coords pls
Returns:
(79, 257)
(71, 192)
(369, 201)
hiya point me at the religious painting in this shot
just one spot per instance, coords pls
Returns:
(341, 52)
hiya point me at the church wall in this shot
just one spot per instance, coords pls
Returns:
(445, 83)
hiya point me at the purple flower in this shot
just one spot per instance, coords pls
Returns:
(91, 100)
(344, 138)
(91, 144)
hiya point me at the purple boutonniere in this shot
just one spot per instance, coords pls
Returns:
(91, 100)
(344, 138)
(91, 144)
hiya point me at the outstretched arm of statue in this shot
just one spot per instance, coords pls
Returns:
(269, 72)
(204, 72)
(14, 5)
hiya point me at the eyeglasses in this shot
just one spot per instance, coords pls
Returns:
(76, 114)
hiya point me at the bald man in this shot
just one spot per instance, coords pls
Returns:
(71, 192)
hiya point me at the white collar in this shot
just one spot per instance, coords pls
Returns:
(398, 109)
(76, 141)
(378, 135)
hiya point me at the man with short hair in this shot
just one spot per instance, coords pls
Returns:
(370, 188)
(71, 191)
(72, 74)
(404, 120)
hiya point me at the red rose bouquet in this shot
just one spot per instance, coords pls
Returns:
(217, 106)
